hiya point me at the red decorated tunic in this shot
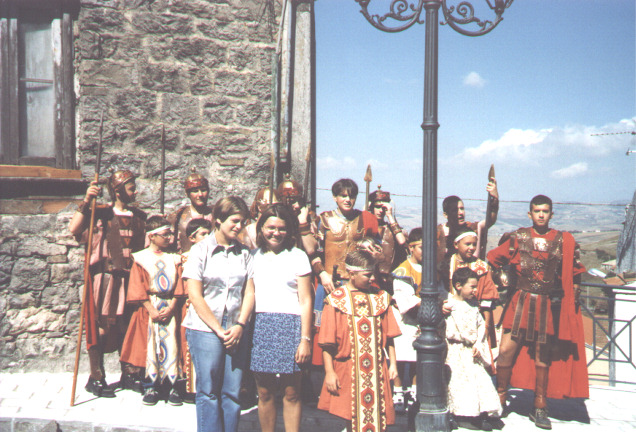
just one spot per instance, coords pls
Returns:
(358, 325)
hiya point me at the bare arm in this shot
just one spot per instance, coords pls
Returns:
(393, 372)
(331, 379)
(80, 220)
(303, 353)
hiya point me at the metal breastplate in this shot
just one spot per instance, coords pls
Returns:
(540, 274)
(340, 238)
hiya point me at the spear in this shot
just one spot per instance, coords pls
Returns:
(87, 259)
(163, 168)
(368, 178)
(306, 179)
(483, 238)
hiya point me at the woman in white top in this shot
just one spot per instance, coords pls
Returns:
(282, 325)
(221, 291)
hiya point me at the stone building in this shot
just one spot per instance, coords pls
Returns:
(213, 75)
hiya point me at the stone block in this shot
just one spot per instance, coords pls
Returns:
(29, 274)
(136, 105)
(120, 47)
(29, 246)
(200, 81)
(219, 110)
(249, 114)
(101, 19)
(56, 259)
(230, 83)
(90, 46)
(6, 266)
(34, 425)
(198, 51)
(163, 78)
(242, 56)
(230, 31)
(6, 424)
(23, 300)
(33, 320)
(59, 295)
(180, 109)
(195, 8)
(31, 224)
(149, 138)
(164, 23)
(105, 73)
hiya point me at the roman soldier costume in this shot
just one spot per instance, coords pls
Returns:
(543, 309)
(180, 219)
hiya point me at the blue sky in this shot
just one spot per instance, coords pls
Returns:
(526, 97)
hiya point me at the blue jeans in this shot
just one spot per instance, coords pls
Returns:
(218, 381)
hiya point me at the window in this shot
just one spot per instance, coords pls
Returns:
(36, 83)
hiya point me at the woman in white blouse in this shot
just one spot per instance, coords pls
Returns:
(219, 282)
(282, 326)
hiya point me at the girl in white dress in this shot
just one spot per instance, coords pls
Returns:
(472, 397)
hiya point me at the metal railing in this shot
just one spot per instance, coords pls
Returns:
(613, 332)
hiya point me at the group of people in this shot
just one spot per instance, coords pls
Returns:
(200, 300)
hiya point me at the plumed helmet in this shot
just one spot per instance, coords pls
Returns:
(289, 190)
(379, 195)
(195, 181)
(264, 198)
(117, 180)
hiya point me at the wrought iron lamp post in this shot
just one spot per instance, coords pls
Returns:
(430, 346)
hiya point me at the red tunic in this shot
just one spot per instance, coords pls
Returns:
(335, 331)
(568, 370)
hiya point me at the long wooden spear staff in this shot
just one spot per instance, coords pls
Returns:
(483, 238)
(87, 259)
(163, 168)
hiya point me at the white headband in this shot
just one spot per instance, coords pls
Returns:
(466, 234)
(351, 268)
(157, 230)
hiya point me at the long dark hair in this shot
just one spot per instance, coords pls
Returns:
(281, 211)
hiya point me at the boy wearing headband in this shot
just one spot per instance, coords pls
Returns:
(358, 325)
(155, 287)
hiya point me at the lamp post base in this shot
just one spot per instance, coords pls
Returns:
(432, 421)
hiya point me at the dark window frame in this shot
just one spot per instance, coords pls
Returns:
(11, 12)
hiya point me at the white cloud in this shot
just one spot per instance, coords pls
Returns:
(574, 170)
(532, 146)
(376, 164)
(473, 79)
(330, 163)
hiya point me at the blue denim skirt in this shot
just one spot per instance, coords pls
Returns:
(274, 344)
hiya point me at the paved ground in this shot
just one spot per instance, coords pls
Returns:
(41, 402)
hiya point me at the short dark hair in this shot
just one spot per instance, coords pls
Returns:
(360, 258)
(449, 205)
(461, 276)
(415, 235)
(228, 206)
(197, 223)
(155, 222)
(540, 200)
(281, 211)
(345, 185)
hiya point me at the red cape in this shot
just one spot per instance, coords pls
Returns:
(568, 371)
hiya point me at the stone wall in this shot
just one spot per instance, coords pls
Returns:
(199, 68)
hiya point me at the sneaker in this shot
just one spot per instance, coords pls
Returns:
(151, 397)
(540, 418)
(174, 398)
(99, 388)
(131, 382)
(189, 398)
(410, 397)
(398, 401)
